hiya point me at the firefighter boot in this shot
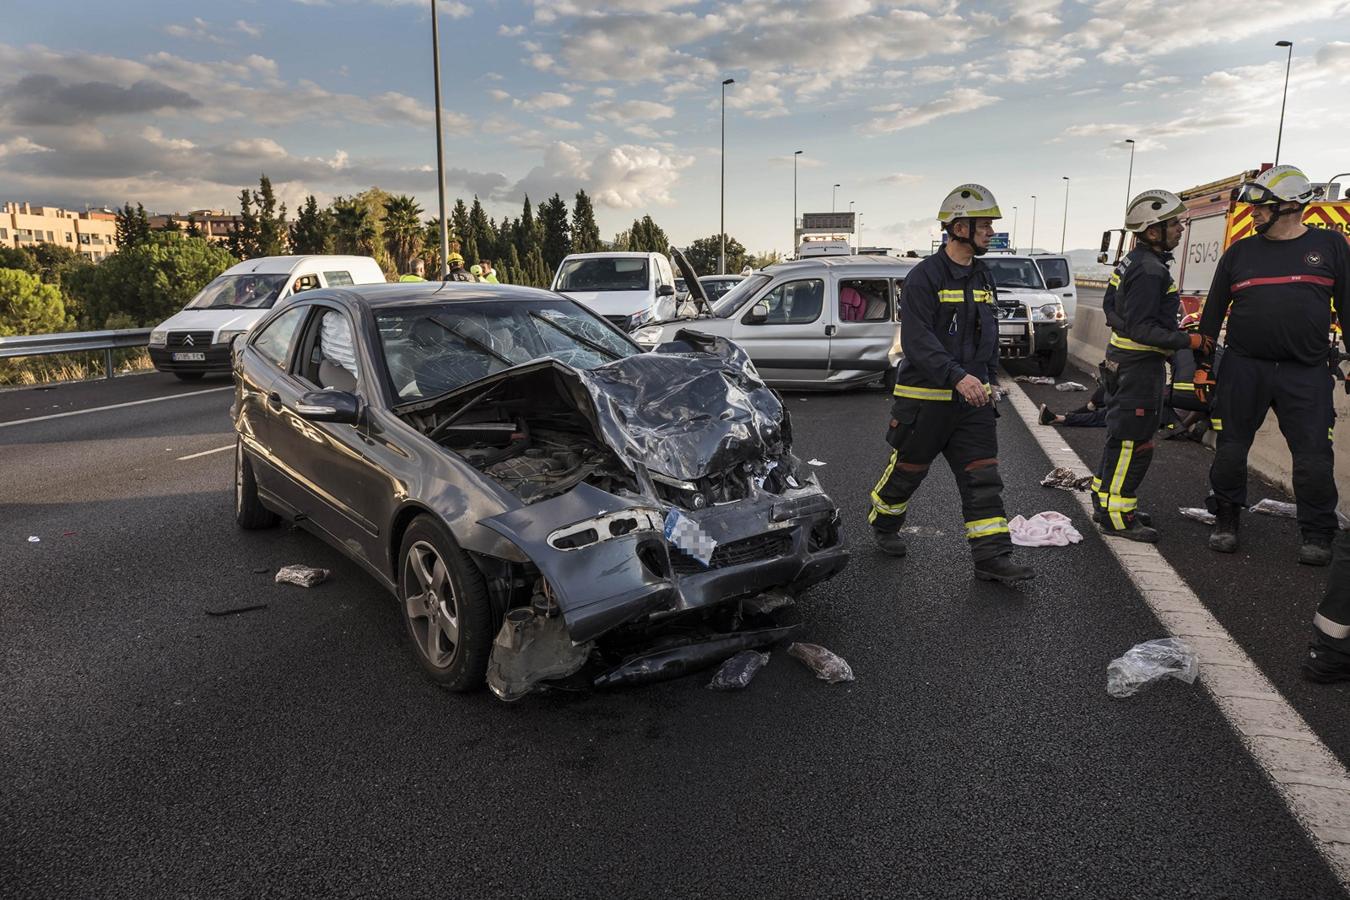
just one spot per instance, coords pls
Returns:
(1325, 663)
(1002, 569)
(1316, 549)
(1136, 529)
(1224, 537)
(889, 542)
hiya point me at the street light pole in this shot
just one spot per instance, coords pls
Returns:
(1285, 96)
(855, 227)
(834, 192)
(1129, 179)
(795, 154)
(1065, 229)
(1014, 234)
(722, 220)
(1033, 225)
(440, 145)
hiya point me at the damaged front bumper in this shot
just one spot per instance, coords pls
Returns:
(610, 564)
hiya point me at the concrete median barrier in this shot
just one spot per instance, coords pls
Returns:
(1269, 457)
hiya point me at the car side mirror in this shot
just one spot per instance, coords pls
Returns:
(665, 290)
(758, 314)
(1102, 258)
(340, 407)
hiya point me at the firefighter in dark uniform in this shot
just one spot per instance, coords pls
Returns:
(1141, 306)
(944, 401)
(1279, 291)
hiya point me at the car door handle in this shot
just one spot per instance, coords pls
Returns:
(274, 401)
(829, 330)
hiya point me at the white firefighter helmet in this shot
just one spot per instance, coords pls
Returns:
(1279, 184)
(969, 201)
(1152, 207)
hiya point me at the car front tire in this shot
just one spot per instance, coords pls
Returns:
(445, 606)
(249, 511)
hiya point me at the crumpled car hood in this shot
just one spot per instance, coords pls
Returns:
(686, 410)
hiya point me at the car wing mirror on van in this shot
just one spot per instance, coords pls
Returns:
(340, 407)
(758, 314)
(665, 290)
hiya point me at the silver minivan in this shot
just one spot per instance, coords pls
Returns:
(820, 323)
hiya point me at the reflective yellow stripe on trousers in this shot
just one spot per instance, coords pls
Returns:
(1117, 480)
(879, 506)
(986, 527)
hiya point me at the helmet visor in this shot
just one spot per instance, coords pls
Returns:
(1259, 194)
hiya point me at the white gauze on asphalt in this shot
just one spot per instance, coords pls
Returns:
(1047, 529)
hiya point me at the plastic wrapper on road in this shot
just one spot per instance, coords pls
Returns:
(1066, 479)
(1070, 386)
(302, 576)
(1147, 663)
(736, 673)
(1198, 513)
(826, 665)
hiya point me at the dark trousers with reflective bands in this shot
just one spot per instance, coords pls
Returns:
(1132, 415)
(1333, 613)
(1302, 399)
(967, 436)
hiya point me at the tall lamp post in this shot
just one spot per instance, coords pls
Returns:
(1014, 234)
(1065, 229)
(722, 219)
(1129, 179)
(1285, 96)
(855, 227)
(1033, 224)
(834, 192)
(440, 147)
(795, 154)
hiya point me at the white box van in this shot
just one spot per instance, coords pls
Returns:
(621, 286)
(197, 340)
(826, 322)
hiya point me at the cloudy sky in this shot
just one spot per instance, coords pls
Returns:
(177, 105)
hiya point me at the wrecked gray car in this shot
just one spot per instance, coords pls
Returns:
(521, 475)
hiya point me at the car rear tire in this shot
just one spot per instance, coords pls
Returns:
(249, 511)
(189, 376)
(445, 606)
(1054, 362)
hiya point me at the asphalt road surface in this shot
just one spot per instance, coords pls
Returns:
(148, 749)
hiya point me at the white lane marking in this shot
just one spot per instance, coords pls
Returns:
(1312, 781)
(80, 412)
(207, 452)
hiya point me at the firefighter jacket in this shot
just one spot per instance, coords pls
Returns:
(949, 327)
(1141, 306)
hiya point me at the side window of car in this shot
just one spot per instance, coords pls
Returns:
(305, 283)
(864, 300)
(794, 302)
(274, 341)
(664, 275)
(337, 279)
(899, 285)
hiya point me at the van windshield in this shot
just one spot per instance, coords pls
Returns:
(251, 291)
(612, 273)
(1015, 273)
(731, 301)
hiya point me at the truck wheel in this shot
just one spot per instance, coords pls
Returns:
(1054, 362)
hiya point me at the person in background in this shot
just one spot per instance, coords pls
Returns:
(489, 273)
(1090, 415)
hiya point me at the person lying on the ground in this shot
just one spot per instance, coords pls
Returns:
(1090, 415)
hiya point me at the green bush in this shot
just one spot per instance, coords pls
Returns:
(27, 306)
(146, 283)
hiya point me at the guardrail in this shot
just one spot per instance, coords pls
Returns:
(1090, 282)
(75, 342)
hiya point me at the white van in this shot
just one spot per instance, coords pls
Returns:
(826, 322)
(621, 286)
(197, 340)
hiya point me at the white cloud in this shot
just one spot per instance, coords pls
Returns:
(627, 111)
(510, 30)
(900, 179)
(899, 117)
(546, 100)
(248, 28)
(198, 30)
(624, 177)
(19, 145)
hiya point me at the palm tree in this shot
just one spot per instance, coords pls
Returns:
(354, 230)
(402, 230)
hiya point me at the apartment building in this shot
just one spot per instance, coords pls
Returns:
(92, 233)
(214, 224)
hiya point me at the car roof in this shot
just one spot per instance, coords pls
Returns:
(415, 292)
(284, 265)
(843, 263)
(608, 253)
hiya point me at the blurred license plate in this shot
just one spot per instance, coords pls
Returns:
(189, 357)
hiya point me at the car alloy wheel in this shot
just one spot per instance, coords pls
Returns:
(429, 602)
